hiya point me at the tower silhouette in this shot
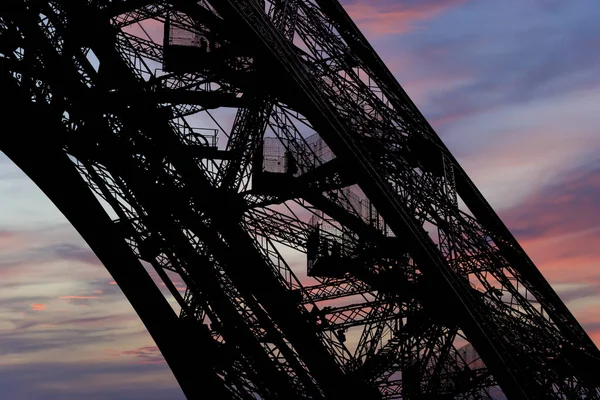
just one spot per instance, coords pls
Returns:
(261, 153)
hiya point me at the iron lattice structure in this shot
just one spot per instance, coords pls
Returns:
(261, 154)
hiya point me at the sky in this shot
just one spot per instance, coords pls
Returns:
(512, 87)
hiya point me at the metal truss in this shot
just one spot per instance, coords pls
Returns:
(262, 155)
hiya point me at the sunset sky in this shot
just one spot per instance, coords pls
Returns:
(513, 88)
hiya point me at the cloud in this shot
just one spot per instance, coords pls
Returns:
(24, 206)
(558, 225)
(145, 355)
(377, 18)
(52, 244)
(513, 151)
(508, 62)
(73, 252)
(568, 206)
(570, 292)
(36, 343)
(38, 306)
(52, 270)
(491, 55)
(50, 309)
(92, 381)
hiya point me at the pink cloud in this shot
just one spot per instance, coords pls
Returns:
(180, 286)
(113, 352)
(143, 355)
(571, 257)
(77, 297)
(557, 225)
(13, 241)
(38, 306)
(566, 207)
(377, 18)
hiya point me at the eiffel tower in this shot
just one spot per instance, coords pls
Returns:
(261, 154)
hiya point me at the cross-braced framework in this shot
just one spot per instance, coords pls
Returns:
(262, 155)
